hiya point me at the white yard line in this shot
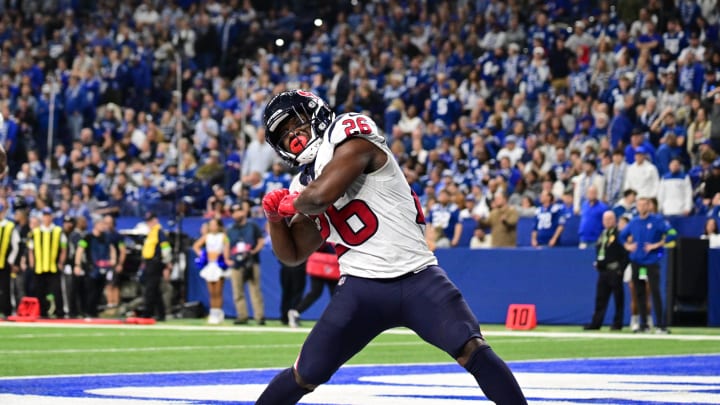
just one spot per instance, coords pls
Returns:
(178, 348)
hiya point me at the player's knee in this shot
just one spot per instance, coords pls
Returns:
(470, 347)
(303, 381)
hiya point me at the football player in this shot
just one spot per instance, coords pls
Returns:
(353, 193)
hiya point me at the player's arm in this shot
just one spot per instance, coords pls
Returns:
(351, 158)
(294, 242)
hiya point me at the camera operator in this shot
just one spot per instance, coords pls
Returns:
(246, 242)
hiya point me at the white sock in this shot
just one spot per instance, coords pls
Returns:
(650, 322)
(220, 315)
(635, 321)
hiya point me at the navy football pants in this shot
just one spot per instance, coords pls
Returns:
(426, 302)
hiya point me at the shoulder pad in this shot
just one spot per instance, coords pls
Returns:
(296, 184)
(354, 124)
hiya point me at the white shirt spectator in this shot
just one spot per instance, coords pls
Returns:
(675, 193)
(581, 183)
(492, 40)
(144, 14)
(259, 155)
(699, 52)
(714, 240)
(408, 125)
(204, 129)
(580, 39)
(673, 100)
(185, 37)
(643, 178)
(512, 151)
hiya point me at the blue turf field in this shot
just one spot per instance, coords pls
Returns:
(667, 380)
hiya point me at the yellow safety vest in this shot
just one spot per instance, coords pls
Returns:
(46, 247)
(5, 237)
(151, 241)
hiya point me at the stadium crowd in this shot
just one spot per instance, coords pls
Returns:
(494, 109)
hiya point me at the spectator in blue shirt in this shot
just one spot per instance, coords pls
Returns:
(444, 216)
(620, 127)
(665, 125)
(667, 152)
(591, 212)
(626, 205)
(646, 249)
(74, 102)
(549, 221)
(714, 209)
(674, 39)
(445, 107)
(689, 12)
(276, 178)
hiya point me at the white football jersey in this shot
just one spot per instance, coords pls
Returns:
(378, 226)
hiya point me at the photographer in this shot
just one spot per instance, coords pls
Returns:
(246, 242)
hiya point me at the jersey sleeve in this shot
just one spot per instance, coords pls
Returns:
(350, 125)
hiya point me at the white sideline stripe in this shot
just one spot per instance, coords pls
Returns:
(181, 348)
(229, 370)
(396, 331)
(139, 334)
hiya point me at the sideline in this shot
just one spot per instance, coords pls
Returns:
(396, 331)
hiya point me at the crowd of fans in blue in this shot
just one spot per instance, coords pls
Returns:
(476, 98)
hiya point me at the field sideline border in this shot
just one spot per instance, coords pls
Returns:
(396, 331)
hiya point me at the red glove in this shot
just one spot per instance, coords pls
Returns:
(271, 203)
(286, 207)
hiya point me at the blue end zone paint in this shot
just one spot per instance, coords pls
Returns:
(673, 365)
(77, 387)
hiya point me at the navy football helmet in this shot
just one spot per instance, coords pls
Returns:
(310, 110)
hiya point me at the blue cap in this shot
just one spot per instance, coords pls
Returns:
(510, 138)
(640, 149)
(47, 211)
